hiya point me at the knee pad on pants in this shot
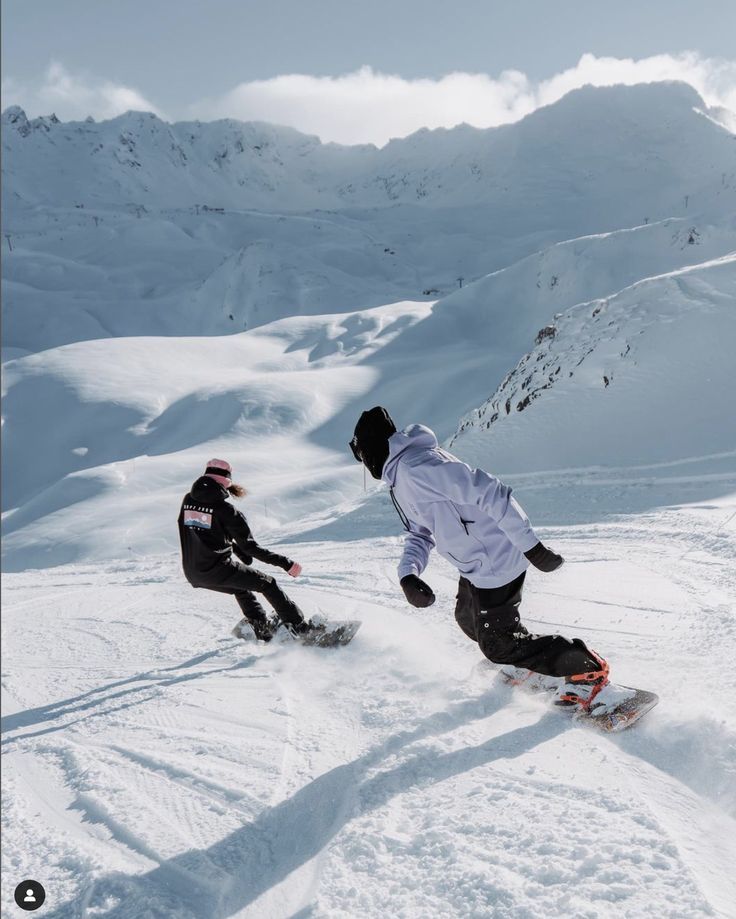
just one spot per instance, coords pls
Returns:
(499, 647)
(466, 608)
(465, 618)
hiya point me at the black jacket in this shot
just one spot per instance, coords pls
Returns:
(211, 531)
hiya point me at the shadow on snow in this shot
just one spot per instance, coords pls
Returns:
(235, 871)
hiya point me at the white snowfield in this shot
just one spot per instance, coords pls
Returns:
(154, 765)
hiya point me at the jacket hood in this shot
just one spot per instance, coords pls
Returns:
(416, 436)
(207, 489)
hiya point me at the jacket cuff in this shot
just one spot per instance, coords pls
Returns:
(407, 568)
(524, 545)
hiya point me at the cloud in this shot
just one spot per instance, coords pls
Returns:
(72, 96)
(715, 80)
(366, 106)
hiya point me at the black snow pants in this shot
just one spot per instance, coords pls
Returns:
(490, 616)
(244, 583)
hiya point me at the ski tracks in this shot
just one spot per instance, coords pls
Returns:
(167, 770)
(124, 771)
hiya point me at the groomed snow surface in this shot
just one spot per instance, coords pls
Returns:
(155, 767)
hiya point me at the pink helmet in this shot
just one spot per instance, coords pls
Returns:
(221, 471)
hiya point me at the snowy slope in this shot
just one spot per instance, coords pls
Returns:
(178, 772)
(155, 766)
(639, 377)
(139, 412)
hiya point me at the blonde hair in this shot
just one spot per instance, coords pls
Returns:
(237, 491)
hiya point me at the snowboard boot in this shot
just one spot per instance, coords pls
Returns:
(290, 630)
(581, 689)
(609, 698)
(514, 676)
(529, 679)
(264, 628)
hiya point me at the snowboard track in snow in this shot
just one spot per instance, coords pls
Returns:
(248, 780)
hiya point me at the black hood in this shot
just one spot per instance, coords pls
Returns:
(206, 489)
(370, 439)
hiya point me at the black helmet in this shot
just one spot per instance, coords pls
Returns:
(370, 439)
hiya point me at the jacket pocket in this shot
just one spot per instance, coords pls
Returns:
(470, 551)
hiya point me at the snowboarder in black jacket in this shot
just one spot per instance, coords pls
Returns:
(218, 548)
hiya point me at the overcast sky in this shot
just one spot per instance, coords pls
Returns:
(352, 71)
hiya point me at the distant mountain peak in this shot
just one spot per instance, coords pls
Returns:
(14, 113)
(651, 141)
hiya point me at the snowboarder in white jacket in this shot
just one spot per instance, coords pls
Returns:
(474, 522)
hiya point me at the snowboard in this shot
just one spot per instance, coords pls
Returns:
(616, 719)
(331, 634)
(323, 635)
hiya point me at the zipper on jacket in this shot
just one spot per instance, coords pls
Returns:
(404, 519)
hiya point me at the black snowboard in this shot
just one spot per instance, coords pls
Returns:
(623, 715)
(324, 635)
(331, 634)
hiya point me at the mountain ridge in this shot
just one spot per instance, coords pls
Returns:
(410, 169)
(144, 326)
(134, 226)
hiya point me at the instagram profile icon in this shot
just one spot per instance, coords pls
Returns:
(30, 895)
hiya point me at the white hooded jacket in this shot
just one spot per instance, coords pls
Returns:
(469, 515)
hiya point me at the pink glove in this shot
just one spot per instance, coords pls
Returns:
(295, 570)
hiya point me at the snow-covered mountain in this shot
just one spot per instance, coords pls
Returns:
(646, 140)
(90, 268)
(639, 377)
(176, 292)
(134, 226)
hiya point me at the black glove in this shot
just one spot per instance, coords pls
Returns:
(543, 558)
(416, 591)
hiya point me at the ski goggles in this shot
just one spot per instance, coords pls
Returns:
(356, 450)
